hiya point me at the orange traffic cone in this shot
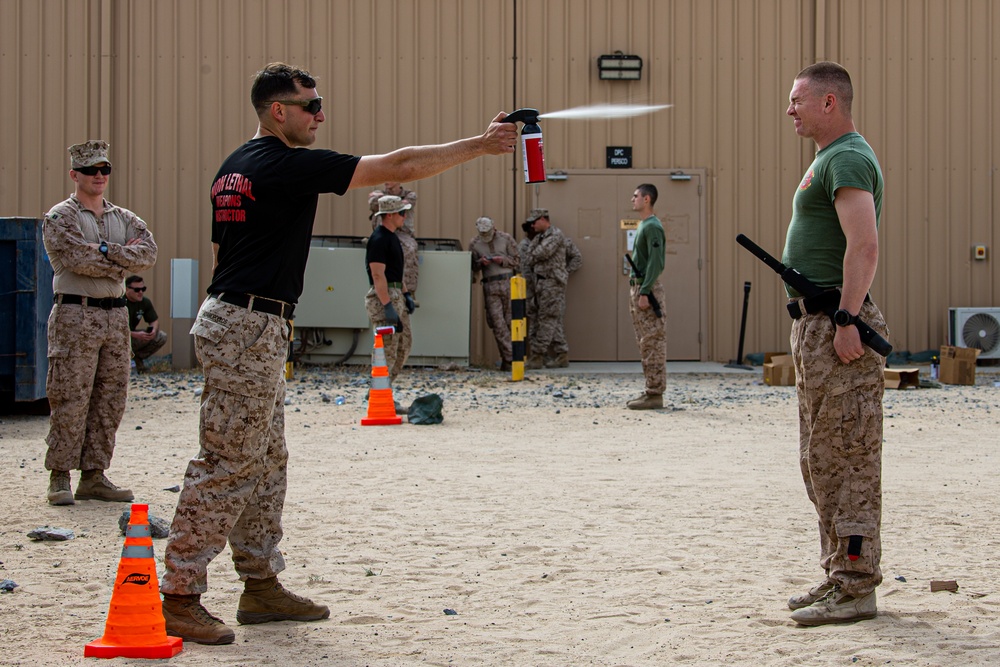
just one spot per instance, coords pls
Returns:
(135, 626)
(381, 406)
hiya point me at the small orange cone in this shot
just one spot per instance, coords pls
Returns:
(135, 626)
(381, 406)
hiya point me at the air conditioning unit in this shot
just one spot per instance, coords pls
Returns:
(975, 327)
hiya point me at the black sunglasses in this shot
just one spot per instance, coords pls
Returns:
(313, 106)
(138, 289)
(92, 171)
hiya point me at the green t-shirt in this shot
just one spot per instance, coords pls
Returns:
(140, 310)
(649, 252)
(815, 243)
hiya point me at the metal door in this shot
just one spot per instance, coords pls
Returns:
(594, 209)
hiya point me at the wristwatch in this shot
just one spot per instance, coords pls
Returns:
(843, 318)
(103, 248)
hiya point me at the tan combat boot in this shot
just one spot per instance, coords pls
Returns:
(187, 619)
(534, 362)
(95, 486)
(60, 492)
(266, 600)
(646, 402)
(562, 361)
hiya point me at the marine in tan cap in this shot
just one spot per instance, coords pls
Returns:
(553, 257)
(494, 255)
(92, 245)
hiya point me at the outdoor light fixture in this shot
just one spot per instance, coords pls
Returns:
(619, 66)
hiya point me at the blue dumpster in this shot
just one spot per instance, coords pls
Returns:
(25, 302)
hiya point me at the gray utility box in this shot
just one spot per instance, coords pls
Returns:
(331, 323)
(25, 303)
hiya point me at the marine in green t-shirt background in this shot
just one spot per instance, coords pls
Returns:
(146, 340)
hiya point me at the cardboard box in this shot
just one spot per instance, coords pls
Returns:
(902, 378)
(958, 365)
(779, 370)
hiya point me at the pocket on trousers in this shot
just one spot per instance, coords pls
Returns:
(210, 329)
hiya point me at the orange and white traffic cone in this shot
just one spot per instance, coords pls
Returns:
(135, 626)
(381, 406)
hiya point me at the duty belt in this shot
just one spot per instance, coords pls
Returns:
(824, 302)
(502, 276)
(106, 303)
(257, 304)
(394, 285)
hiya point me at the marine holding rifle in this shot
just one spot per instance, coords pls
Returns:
(832, 240)
(645, 296)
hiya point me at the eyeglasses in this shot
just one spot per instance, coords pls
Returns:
(140, 290)
(92, 171)
(313, 106)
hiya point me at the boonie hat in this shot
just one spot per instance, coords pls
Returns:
(88, 153)
(537, 213)
(392, 204)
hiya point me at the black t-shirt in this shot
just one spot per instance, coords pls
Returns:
(384, 248)
(263, 207)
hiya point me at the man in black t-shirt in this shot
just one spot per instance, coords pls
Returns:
(386, 301)
(264, 199)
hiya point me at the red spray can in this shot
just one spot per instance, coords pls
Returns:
(531, 144)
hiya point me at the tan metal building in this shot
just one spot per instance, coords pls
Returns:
(167, 84)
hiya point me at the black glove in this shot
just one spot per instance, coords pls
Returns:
(391, 316)
(410, 304)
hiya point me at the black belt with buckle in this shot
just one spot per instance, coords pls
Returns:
(257, 304)
(824, 302)
(502, 276)
(107, 303)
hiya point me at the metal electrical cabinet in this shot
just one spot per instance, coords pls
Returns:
(331, 324)
(25, 302)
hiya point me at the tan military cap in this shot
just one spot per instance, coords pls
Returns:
(88, 153)
(392, 204)
(537, 213)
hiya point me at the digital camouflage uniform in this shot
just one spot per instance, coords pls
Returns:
(549, 253)
(650, 331)
(840, 446)
(496, 283)
(235, 487)
(396, 346)
(530, 306)
(88, 346)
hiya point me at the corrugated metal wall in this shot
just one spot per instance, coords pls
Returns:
(167, 83)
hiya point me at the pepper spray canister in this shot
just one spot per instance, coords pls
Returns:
(531, 144)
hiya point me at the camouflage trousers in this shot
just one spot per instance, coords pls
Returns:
(547, 335)
(146, 349)
(651, 337)
(396, 346)
(87, 385)
(496, 299)
(840, 446)
(235, 488)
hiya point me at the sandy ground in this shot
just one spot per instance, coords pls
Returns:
(562, 528)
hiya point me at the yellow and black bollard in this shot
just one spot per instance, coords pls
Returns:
(518, 326)
(289, 365)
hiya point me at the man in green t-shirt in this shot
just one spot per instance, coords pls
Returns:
(832, 240)
(649, 256)
(148, 340)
